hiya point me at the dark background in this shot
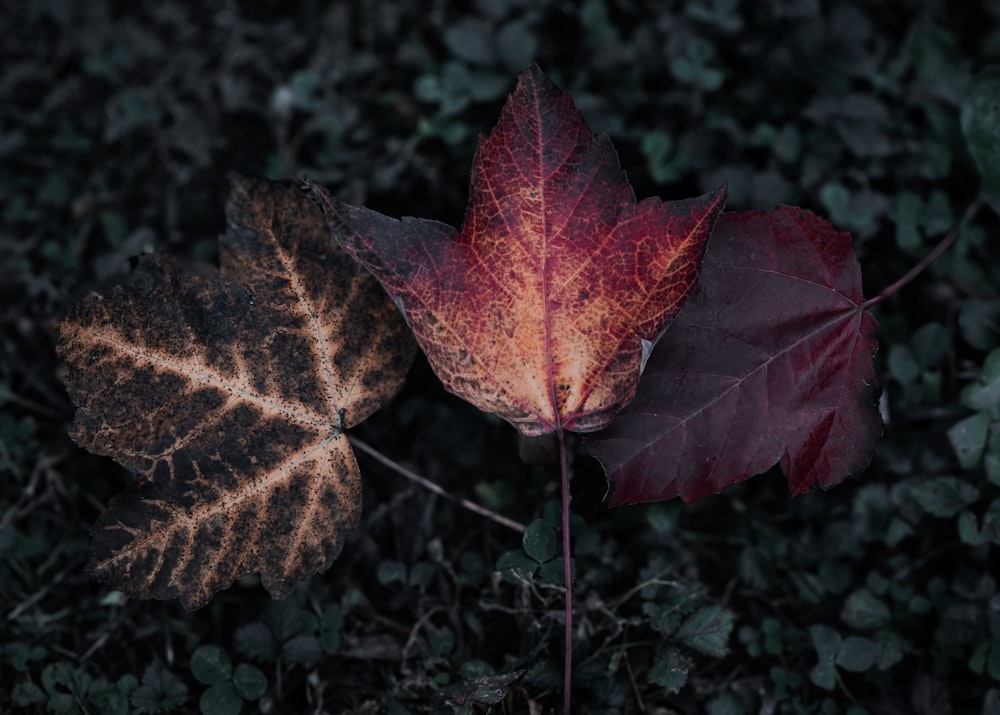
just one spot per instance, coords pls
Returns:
(119, 122)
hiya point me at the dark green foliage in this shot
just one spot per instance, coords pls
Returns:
(160, 691)
(228, 688)
(118, 125)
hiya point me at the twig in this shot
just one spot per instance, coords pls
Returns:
(431, 486)
(943, 246)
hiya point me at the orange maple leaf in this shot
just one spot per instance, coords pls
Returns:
(545, 306)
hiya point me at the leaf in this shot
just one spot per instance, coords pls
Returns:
(669, 670)
(210, 664)
(249, 681)
(770, 361)
(857, 654)
(707, 631)
(984, 393)
(255, 640)
(944, 497)
(981, 125)
(827, 643)
(968, 439)
(160, 691)
(330, 625)
(220, 699)
(544, 307)
(227, 393)
(865, 611)
(539, 541)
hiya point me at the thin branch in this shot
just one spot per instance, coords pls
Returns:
(943, 246)
(431, 486)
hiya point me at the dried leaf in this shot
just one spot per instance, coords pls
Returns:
(227, 393)
(544, 307)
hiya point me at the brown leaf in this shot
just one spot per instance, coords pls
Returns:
(227, 392)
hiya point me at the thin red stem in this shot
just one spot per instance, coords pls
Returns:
(943, 246)
(567, 573)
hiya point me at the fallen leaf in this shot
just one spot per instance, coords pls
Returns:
(227, 392)
(769, 362)
(544, 307)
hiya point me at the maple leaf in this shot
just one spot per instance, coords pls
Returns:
(769, 362)
(544, 306)
(227, 392)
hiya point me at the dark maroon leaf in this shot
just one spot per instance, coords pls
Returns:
(769, 362)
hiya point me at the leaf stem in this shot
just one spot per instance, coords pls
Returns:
(943, 246)
(431, 486)
(567, 573)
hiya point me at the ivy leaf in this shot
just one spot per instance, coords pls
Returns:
(544, 306)
(769, 362)
(228, 392)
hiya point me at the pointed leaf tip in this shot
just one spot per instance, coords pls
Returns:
(542, 307)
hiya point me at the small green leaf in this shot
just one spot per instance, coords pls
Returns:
(707, 631)
(160, 691)
(210, 665)
(539, 541)
(19, 654)
(856, 654)
(220, 699)
(889, 650)
(304, 650)
(981, 124)
(724, 704)
(979, 322)
(256, 641)
(984, 393)
(471, 39)
(329, 628)
(902, 364)
(906, 212)
(552, 572)
(516, 44)
(27, 693)
(968, 529)
(931, 343)
(968, 439)
(944, 496)
(664, 619)
(62, 704)
(827, 642)
(865, 611)
(669, 670)
(516, 566)
(391, 572)
(249, 681)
